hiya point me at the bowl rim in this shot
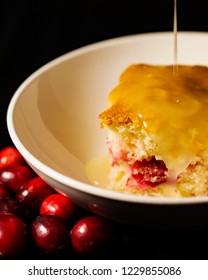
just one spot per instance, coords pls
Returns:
(73, 183)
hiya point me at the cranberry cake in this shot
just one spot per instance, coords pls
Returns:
(157, 123)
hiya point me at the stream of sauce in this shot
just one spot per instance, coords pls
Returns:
(175, 32)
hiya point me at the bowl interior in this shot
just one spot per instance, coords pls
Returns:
(54, 113)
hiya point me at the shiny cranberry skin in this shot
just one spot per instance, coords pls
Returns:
(60, 206)
(10, 156)
(50, 234)
(15, 176)
(15, 207)
(151, 173)
(13, 236)
(93, 236)
(33, 192)
(4, 192)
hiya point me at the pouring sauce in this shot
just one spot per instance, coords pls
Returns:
(175, 31)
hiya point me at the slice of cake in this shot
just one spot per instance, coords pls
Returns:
(157, 125)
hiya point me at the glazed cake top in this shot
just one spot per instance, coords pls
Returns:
(173, 109)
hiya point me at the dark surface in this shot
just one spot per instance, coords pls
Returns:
(146, 244)
(34, 32)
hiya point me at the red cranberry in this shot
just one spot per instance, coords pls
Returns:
(15, 176)
(33, 192)
(15, 207)
(13, 236)
(60, 206)
(94, 235)
(151, 173)
(10, 156)
(4, 192)
(50, 234)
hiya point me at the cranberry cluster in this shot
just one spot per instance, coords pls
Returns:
(38, 222)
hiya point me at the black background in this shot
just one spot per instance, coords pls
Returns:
(34, 32)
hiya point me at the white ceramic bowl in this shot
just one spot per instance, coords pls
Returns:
(53, 121)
